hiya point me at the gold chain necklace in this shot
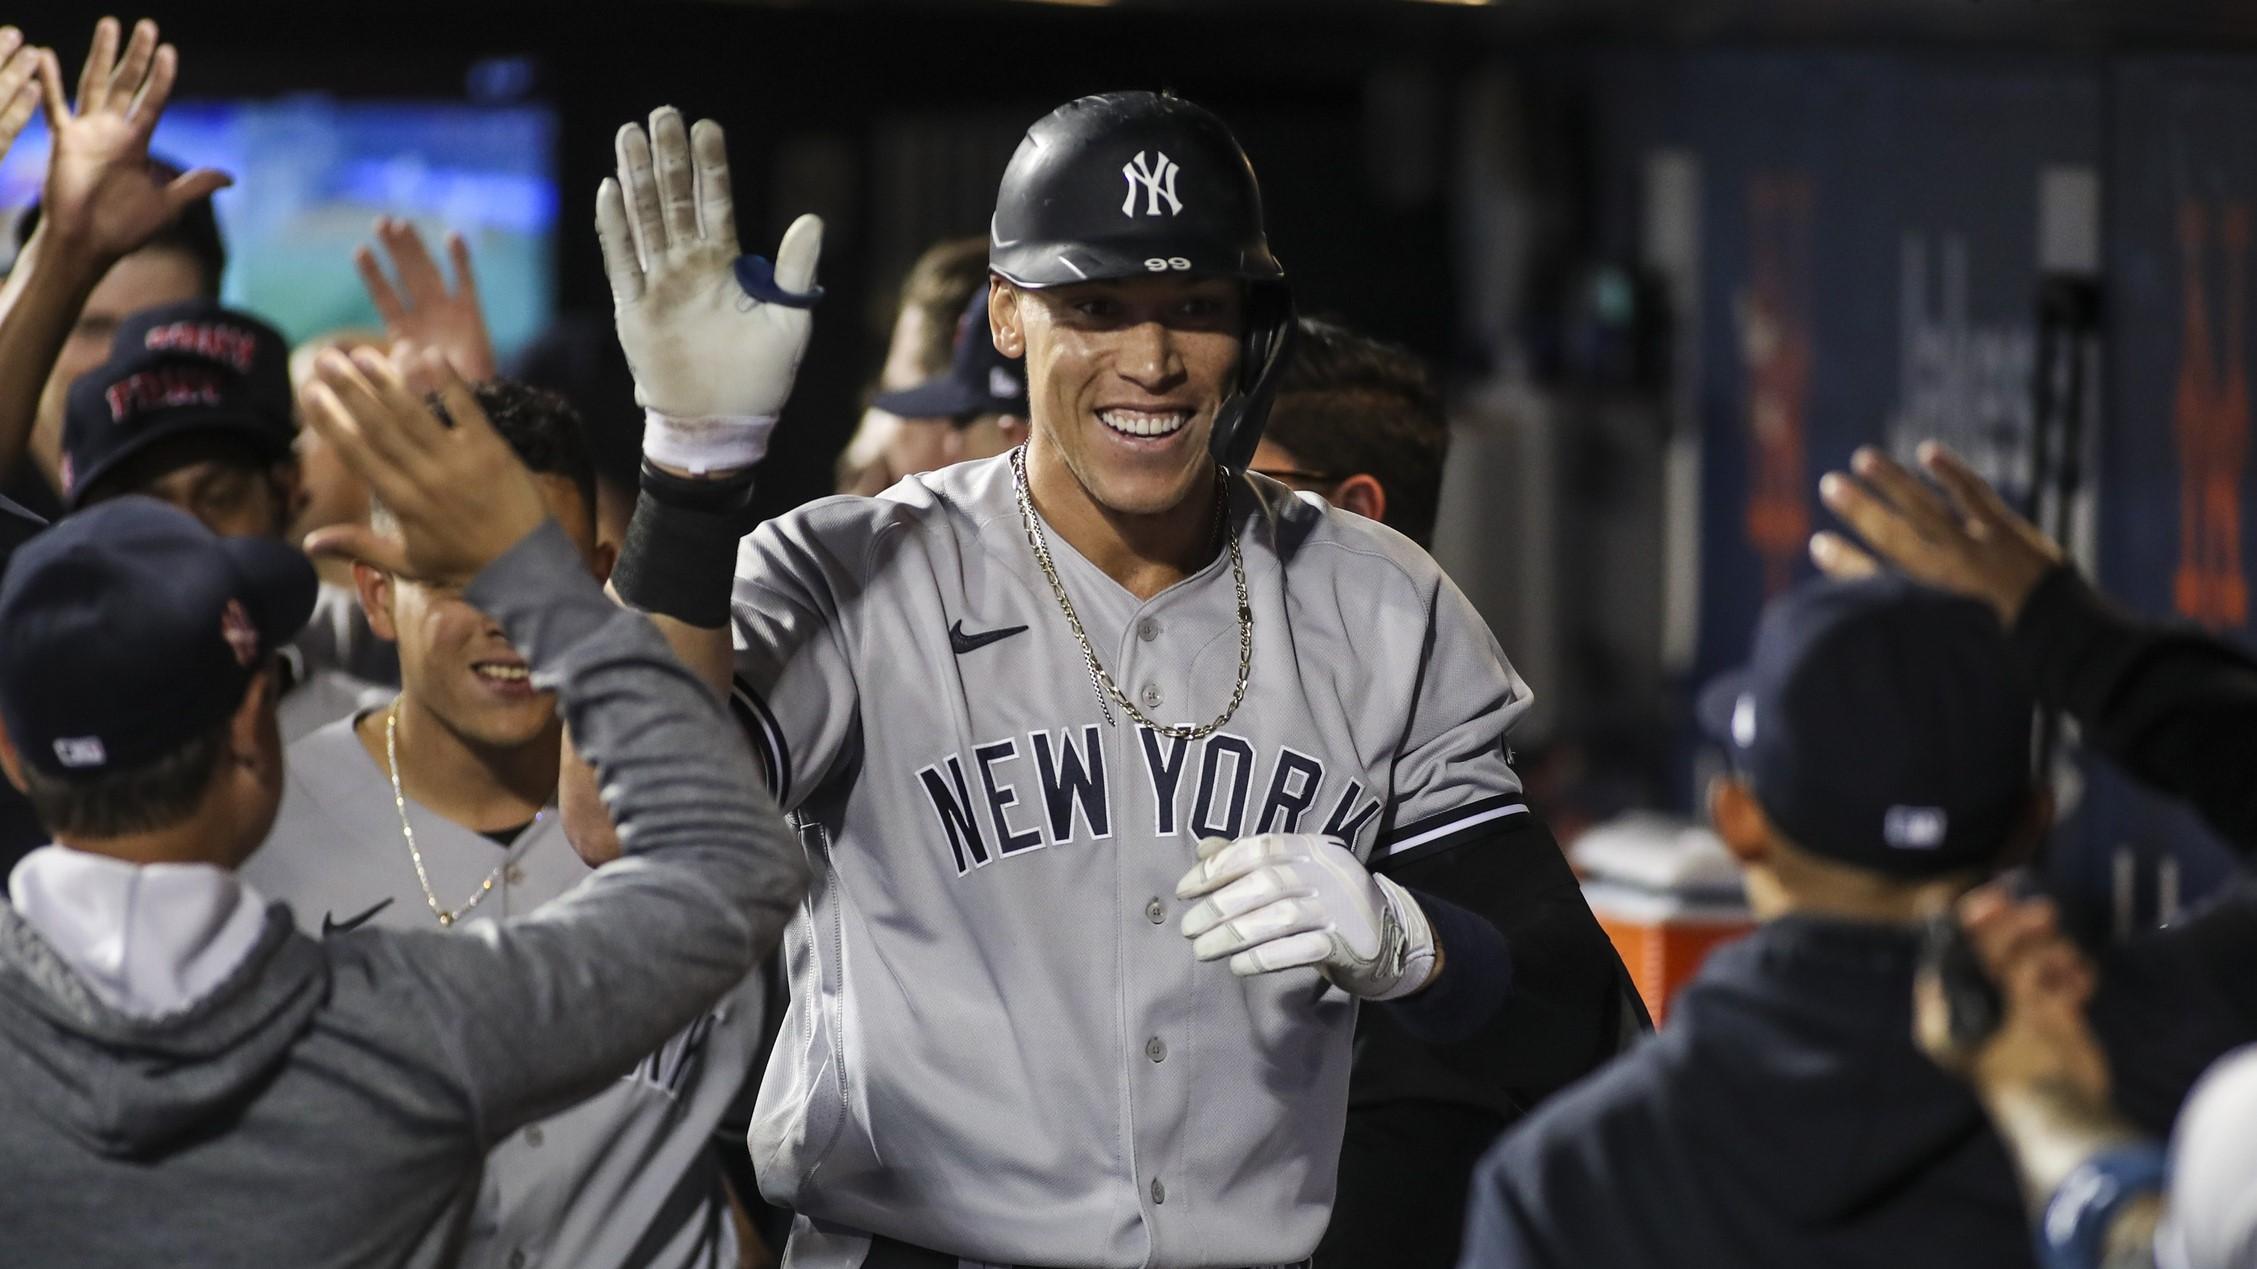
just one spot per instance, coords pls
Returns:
(1108, 692)
(407, 830)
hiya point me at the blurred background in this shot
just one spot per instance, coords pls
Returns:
(1672, 259)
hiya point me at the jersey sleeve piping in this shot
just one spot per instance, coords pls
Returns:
(1453, 827)
(760, 727)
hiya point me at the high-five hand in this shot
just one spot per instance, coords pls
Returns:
(102, 196)
(19, 95)
(1973, 544)
(458, 493)
(421, 310)
(1285, 900)
(714, 343)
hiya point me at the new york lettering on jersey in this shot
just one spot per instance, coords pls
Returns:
(996, 1032)
(1065, 780)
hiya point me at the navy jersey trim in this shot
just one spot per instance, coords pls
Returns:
(1450, 828)
(767, 738)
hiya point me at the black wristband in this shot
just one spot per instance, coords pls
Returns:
(1477, 973)
(680, 556)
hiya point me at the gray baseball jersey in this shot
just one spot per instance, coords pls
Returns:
(998, 1043)
(627, 1177)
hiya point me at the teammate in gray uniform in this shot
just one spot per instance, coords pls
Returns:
(437, 809)
(1045, 717)
(188, 1080)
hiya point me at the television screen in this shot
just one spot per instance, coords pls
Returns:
(312, 173)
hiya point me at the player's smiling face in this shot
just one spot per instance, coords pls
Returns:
(455, 662)
(1124, 378)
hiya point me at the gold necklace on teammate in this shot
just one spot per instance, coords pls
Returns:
(407, 830)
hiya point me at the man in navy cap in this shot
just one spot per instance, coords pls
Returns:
(194, 407)
(981, 397)
(1880, 766)
(267, 1098)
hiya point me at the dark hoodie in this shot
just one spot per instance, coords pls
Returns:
(1784, 1118)
(331, 1102)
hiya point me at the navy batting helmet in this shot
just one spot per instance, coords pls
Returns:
(1138, 184)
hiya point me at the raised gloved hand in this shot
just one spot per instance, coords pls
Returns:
(1284, 900)
(714, 341)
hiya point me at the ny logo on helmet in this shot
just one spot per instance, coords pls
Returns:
(1158, 182)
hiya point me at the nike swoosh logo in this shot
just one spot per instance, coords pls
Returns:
(331, 925)
(965, 642)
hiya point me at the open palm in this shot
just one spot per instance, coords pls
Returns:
(102, 192)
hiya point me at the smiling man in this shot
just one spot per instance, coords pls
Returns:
(437, 811)
(1125, 776)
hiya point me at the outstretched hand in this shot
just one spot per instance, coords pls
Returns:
(1973, 544)
(421, 310)
(459, 494)
(701, 347)
(19, 91)
(102, 197)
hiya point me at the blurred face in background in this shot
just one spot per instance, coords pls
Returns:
(220, 479)
(149, 278)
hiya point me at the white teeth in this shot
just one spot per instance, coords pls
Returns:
(506, 673)
(1144, 422)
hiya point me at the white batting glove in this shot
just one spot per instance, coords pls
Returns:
(713, 363)
(1284, 900)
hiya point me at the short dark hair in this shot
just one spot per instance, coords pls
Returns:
(1350, 404)
(194, 233)
(542, 427)
(144, 799)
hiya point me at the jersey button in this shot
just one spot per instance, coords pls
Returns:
(1155, 913)
(1156, 1049)
(1150, 696)
(515, 876)
(1159, 1192)
(533, 1135)
(1148, 629)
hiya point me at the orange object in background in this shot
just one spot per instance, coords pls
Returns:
(1662, 938)
(1666, 893)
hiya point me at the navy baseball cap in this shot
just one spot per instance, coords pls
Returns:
(979, 380)
(1880, 724)
(133, 629)
(193, 368)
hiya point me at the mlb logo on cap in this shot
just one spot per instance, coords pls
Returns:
(80, 752)
(1915, 827)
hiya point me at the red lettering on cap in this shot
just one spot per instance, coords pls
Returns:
(162, 389)
(229, 344)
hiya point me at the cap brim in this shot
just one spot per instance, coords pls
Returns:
(941, 398)
(257, 431)
(1719, 699)
(279, 587)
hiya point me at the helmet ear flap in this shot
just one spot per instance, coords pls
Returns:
(1261, 364)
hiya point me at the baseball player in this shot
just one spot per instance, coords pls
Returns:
(1117, 770)
(435, 810)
